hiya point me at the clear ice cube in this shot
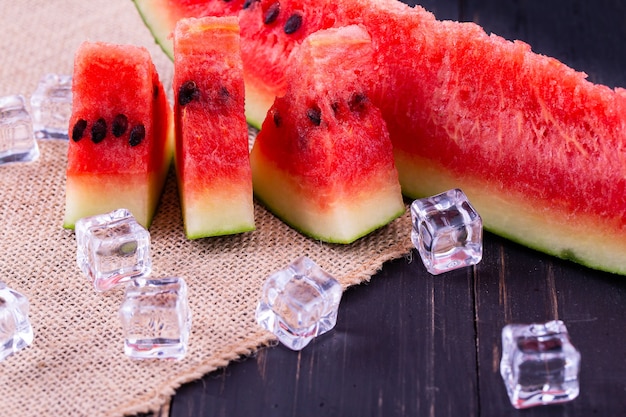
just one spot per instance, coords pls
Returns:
(51, 106)
(539, 364)
(156, 319)
(16, 332)
(299, 303)
(447, 231)
(112, 248)
(17, 141)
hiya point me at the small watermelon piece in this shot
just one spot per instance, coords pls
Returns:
(120, 147)
(161, 16)
(212, 157)
(323, 161)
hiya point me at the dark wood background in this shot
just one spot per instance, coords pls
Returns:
(412, 344)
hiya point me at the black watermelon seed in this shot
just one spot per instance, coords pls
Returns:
(99, 130)
(137, 135)
(120, 124)
(224, 93)
(79, 129)
(278, 120)
(315, 115)
(293, 23)
(248, 3)
(187, 93)
(155, 91)
(227, 1)
(357, 102)
(271, 14)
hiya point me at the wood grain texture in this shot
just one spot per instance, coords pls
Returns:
(410, 344)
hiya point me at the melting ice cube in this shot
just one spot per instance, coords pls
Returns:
(539, 364)
(156, 319)
(17, 142)
(51, 105)
(112, 248)
(16, 332)
(447, 231)
(299, 303)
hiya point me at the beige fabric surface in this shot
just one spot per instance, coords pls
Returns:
(76, 366)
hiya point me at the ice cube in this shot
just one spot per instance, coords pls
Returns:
(16, 332)
(299, 303)
(51, 106)
(112, 248)
(447, 231)
(17, 141)
(156, 319)
(539, 364)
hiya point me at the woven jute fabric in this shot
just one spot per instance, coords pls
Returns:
(76, 365)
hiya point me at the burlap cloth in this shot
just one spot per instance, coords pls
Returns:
(76, 366)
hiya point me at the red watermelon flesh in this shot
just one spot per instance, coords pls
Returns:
(323, 161)
(119, 151)
(212, 160)
(270, 42)
(536, 147)
(161, 16)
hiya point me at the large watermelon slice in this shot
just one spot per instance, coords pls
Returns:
(212, 161)
(119, 151)
(535, 146)
(323, 161)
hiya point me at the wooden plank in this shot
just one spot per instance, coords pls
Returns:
(398, 343)
(517, 285)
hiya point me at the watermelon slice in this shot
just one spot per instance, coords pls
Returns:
(120, 148)
(323, 161)
(212, 160)
(161, 16)
(535, 146)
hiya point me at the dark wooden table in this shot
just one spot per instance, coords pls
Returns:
(412, 344)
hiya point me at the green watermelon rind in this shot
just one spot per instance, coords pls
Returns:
(300, 209)
(511, 218)
(217, 233)
(160, 37)
(329, 239)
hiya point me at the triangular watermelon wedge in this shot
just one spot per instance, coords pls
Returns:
(323, 161)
